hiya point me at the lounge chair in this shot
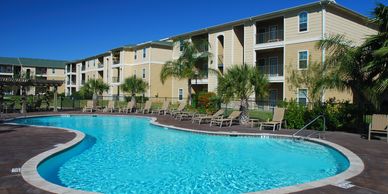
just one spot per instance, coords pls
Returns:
(186, 115)
(234, 116)
(179, 110)
(208, 118)
(89, 106)
(277, 119)
(147, 108)
(131, 106)
(110, 107)
(164, 109)
(379, 125)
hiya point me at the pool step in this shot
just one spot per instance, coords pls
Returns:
(344, 185)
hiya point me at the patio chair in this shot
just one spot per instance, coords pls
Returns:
(164, 109)
(379, 125)
(234, 116)
(186, 115)
(147, 108)
(111, 107)
(277, 119)
(89, 106)
(131, 106)
(179, 110)
(208, 118)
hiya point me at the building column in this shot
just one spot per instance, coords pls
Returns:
(23, 110)
(55, 99)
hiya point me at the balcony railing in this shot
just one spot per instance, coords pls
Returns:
(82, 82)
(41, 72)
(268, 37)
(100, 65)
(115, 79)
(6, 70)
(83, 68)
(69, 82)
(116, 60)
(271, 70)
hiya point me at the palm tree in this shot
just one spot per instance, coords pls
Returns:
(133, 86)
(191, 64)
(96, 87)
(375, 50)
(241, 81)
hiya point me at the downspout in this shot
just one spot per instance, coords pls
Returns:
(323, 36)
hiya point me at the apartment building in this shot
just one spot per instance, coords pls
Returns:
(35, 69)
(278, 43)
(143, 60)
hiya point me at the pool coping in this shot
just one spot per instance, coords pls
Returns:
(30, 173)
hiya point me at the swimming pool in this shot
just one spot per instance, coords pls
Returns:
(130, 155)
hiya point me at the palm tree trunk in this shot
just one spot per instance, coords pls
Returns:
(244, 105)
(133, 98)
(189, 91)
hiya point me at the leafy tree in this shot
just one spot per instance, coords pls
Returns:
(133, 86)
(311, 79)
(241, 81)
(191, 64)
(95, 86)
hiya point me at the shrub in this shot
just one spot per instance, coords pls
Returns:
(294, 115)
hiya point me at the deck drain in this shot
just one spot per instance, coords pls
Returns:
(344, 185)
(15, 170)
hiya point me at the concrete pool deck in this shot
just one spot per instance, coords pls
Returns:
(20, 143)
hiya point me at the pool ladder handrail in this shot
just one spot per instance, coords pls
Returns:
(308, 124)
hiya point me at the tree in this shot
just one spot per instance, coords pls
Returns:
(191, 64)
(311, 79)
(96, 87)
(364, 68)
(241, 81)
(133, 86)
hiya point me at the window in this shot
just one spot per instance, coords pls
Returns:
(273, 30)
(135, 56)
(303, 22)
(272, 98)
(261, 65)
(181, 45)
(180, 94)
(273, 66)
(53, 70)
(303, 59)
(144, 73)
(302, 96)
(144, 52)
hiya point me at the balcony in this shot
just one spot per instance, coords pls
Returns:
(83, 68)
(115, 79)
(82, 82)
(220, 61)
(41, 71)
(100, 65)
(6, 69)
(116, 60)
(273, 72)
(268, 37)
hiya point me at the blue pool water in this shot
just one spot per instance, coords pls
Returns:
(130, 155)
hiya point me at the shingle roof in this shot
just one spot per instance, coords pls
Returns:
(32, 62)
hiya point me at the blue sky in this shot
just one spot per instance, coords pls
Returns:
(73, 29)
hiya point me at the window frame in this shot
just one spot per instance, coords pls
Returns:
(307, 22)
(144, 53)
(143, 73)
(307, 60)
(306, 95)
(180, 97)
